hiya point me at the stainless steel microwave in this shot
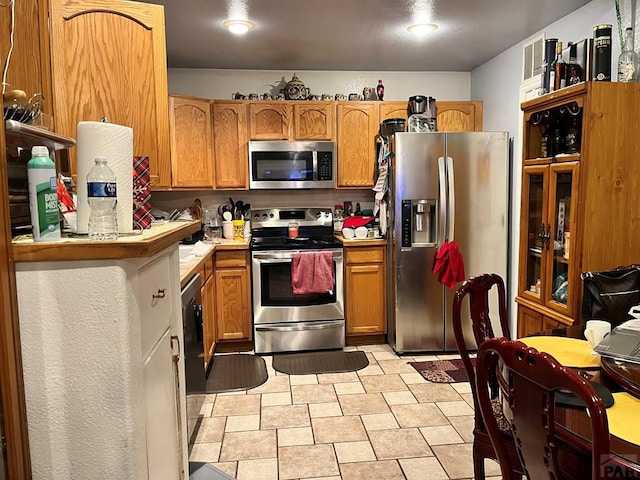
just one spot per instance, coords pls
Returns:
(279, 164)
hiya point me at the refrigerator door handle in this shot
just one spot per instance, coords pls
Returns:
(451, 214)
(442, 201)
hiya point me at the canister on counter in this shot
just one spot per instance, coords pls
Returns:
(602, 52)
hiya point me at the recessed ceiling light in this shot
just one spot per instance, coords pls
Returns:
(239, 27)
(422, 28)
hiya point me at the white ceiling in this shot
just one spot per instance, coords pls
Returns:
(352, 35)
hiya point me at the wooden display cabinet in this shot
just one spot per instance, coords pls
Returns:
(579, 195)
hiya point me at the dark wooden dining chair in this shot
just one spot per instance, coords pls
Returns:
(528, 382)
(478, 291)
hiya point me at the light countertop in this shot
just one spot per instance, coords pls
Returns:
(192, 265)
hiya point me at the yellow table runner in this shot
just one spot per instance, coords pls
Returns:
(624, 417)
(570, 352)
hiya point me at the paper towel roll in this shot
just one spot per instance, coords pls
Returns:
(115, 143)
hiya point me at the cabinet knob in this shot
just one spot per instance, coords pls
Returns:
(160, 294)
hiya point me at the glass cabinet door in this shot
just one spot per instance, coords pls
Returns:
(534, 230)
(562, 190)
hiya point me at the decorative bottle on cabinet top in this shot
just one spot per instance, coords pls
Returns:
(380, 90)
(628, 59)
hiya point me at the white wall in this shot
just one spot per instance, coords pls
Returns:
(209, 83)
(497, 84)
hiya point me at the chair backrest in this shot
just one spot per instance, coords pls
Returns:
(528, 381)
(478, 292)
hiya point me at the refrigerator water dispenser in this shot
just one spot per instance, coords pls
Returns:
(418, 219)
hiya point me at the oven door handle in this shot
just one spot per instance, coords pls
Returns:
(323, 326)
(280, 257)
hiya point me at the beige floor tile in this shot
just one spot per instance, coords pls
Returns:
(464, 426)
(232, 394)
(191, 425)
(383, 383)
(348, 388)
(248, 445)
(412, 378)
(303, 379)
(462, 387)
(395, 366)
(242, 423)
(434, 392)
(338, 429)
(207, 409)
(313, 393)
(425, 358)
(288, 437)
(227, 467)
(457, 461)
(370, 370)
(205, 452)
(455, 409)
(259, 469)
(362, 404)
(468, 397)
(399, 398)
(337, 477)
(387, 470)
(380, 347)
(285, 416)
(236, 405)
(449, 356)
(338, 377)
(278, 383)
(423, 469)
(280, 398)
(348, 452)
(329, 409)
(194, 404)
(441, 435)
(420, 415)
(384, 356)
(307, 461)
(210, 397)
(399, 443)
(379, 421)
(372, 360)
(211, 429)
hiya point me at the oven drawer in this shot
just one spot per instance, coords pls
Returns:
(299, 336)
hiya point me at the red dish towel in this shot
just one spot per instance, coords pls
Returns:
(448, 264)
(312, 272)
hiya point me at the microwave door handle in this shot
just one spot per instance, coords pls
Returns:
(442, 201)
(314, 161)
(451, 214)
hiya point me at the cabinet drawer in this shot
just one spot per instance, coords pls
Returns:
(155, 295)
(364, 255)
(235, 258)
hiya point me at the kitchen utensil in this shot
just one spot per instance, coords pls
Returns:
(227, 215)
(246, 208)
(237, 211)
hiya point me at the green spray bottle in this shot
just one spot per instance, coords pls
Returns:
(43, 196)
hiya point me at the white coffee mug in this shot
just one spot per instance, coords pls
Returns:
(595, 331)
(635, 311)
(227, 229)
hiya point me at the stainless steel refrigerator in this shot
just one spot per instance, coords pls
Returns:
(442, 186)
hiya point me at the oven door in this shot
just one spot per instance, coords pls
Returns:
(273, 297)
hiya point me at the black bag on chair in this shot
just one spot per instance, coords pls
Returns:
(609, 295)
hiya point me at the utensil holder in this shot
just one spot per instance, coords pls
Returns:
(227, 229)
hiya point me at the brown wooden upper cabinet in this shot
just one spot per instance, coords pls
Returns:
(230, 153)
(358, 125)
(291, 120)
(393, 110)
(191, 142)
(454, 116)
(128, 88)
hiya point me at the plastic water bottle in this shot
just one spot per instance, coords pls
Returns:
(43, 196)
(101, 194)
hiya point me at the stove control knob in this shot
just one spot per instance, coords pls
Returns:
(271, 215)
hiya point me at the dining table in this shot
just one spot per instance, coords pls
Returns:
(618, 376)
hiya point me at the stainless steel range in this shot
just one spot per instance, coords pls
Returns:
(285, 321)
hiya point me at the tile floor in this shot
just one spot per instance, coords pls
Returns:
(382, 422)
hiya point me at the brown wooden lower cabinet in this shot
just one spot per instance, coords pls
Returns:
(208, 294)
(232, 296)
(531, 321)
(365, 290)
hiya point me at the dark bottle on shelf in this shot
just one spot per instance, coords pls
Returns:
(380, 90)
(572, 138)
(549, 144)
(558, 139)
(573, 70)
(544, 143)
(560, 68)
(549, 55)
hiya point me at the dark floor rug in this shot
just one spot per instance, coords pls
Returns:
(443, 371)
(319, 362)
(230, 373)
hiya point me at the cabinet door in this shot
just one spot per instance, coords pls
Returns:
(534, 228)
(561, 285)
(394, 110)
(191, 142)
(357, 128)
(232, 304)
(230, 154)
(459, 116)
(314, 121)
(269, 121)
(108, 59)
(529, 322)
(365, 299)
(208, 321)
(160, 400)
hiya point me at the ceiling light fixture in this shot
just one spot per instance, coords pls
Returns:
(422, 28)
(239, 27)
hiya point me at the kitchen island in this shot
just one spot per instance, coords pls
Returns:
(102, 351)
